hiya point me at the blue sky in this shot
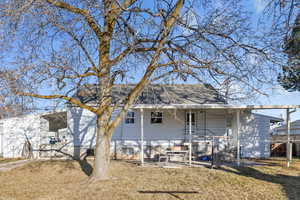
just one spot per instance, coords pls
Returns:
(277, 95)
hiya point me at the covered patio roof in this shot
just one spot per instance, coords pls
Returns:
(237, 110)
(213, 106)
(57, 120)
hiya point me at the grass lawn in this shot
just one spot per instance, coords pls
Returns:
(60, 180)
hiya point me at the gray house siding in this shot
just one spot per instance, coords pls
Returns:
(172, 130)
(82, 123)
(254, 135)
(81, 131)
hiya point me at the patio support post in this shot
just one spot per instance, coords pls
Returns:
(190, 137)
(288, 144)
(142, 137)
(238, 136)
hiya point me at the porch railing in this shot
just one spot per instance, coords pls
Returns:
(206, 133)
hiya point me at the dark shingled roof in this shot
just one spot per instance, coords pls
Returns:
(159, 94)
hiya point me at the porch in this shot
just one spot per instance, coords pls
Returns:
(203, 144)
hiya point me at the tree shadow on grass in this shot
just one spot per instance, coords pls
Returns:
(290, 184)
(172, 193)
(85, 166)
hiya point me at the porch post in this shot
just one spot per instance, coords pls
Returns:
(190, 137)
(288, 144)
(238, 136)
(142, 137)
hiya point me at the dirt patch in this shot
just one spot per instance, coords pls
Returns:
(51, 180)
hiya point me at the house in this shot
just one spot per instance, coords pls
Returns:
(279, 138)
(36, 128)
(193, 116)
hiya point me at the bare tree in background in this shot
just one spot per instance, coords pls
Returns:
(283, 35)
(75, 43)
(12, 105)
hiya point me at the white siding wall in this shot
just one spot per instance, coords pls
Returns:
(81, 127)
(81, 124)
(81, 130)
(255, 135)
(14, 131)
(172, 127)
(216, 122)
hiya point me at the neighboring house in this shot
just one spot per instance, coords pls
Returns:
(281, 130)
(279, 137)
(166, 111)
(35, 128)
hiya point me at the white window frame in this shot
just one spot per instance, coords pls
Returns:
(156, 117)
(187, 122)
(187, 118)
(130, 119)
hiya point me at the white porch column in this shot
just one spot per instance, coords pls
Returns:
(288, 144)
(190, 137)
(142, 137)
(238, 136)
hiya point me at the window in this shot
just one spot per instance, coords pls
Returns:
(188, 118)
(129, 119)
(156, 117)
(90, 152)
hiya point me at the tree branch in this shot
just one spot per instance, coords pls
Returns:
(167, 26)
(79, 43)
(69, 99)
(89, 19)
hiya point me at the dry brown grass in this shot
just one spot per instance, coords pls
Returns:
(51, 180)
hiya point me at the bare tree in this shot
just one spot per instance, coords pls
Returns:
(104, 42)
(288, 18)
(12, 105)
(280, 20)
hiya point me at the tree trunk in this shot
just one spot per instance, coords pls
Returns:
(102, 151)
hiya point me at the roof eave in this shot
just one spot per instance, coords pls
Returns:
(212, 106)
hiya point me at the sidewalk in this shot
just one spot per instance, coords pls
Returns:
(12, 165)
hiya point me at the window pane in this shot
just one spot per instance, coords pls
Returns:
(156, 120)
(156, 117)
(152, 114)
(129, 119)
(188, 117)
(156, 114)
(130, 114)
